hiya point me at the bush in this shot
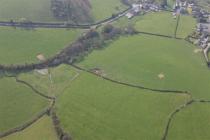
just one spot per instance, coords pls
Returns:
(110, 32)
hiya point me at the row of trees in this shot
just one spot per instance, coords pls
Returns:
(76, 51)
(92, 40)
(60, 132)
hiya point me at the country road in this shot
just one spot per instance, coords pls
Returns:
(63, 24)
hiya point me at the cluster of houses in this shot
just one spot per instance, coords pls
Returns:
(203, 28)
(189, 7)
(204, 41)
(204, 38)
(183, 7)
(143, 6)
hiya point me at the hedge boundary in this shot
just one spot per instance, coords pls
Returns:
(173, 114)
(35, 90)
(131, 85)
(46, 111)
(27, 124)
(177, 26)
(159, 35)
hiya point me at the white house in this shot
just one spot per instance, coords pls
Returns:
(129, 15)
(136, 7)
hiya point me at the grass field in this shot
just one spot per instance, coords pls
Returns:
(159, 23)
(142, 59)
(35, 10)
(61, 77)
(191, 124)
(186, 26)
(43, 129)
(96, 109)
(22, 46)
(18, 104)
(104, 9)
(40, 10)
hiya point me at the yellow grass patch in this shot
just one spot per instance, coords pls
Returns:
(40, 57)
(197, 50)
(161, 76)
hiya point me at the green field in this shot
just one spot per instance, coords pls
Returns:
(18, 104)
(43, 129)
(53, 85)
(22, 46)
(159, 23)
(35, 10)
(191, 123)
(104, 9)
(96, 109)
(91, 107)
(186, 26)
(141, 59)
(40, 10)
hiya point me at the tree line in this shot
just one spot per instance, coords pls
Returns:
(76, 51)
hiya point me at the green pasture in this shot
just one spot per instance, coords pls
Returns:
(158, 23)
(154, 62)
(187, 25)
(43, 129)
(102, 9)
(53, 83)
(34, 10)
(96, 109)
(19, 46)
(18, 104)
(192, 123)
